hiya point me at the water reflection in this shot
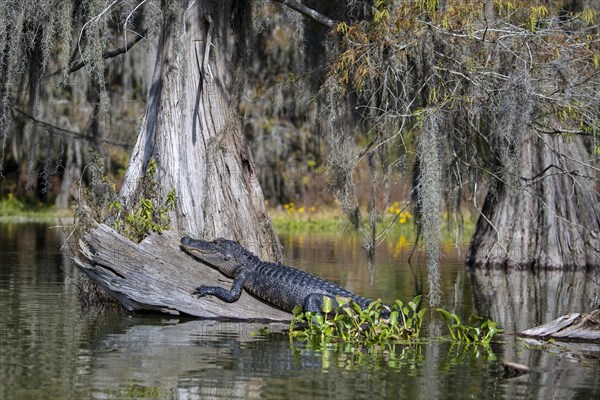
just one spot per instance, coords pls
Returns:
(51, 348)
(520, 299)
(214, 360)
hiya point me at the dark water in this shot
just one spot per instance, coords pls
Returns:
(52, 349)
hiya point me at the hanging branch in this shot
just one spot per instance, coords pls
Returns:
(308, 12)
(55, 130)
(112, 53)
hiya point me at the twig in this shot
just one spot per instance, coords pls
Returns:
(53, 129)
(129, 16)
(92, 21)
(308, 12)
(112, 53)
(382, 235)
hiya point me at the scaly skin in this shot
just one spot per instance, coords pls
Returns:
(279, 285)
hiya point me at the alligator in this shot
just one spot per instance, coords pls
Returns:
(282, 286)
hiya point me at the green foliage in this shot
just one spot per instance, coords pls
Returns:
(13, 207)
(151, 213)
(482, 332)
(349, 323)
(379, 324)
(10, 205)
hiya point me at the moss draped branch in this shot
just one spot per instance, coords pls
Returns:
(113, 53)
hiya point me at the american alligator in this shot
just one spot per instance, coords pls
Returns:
(282, 286)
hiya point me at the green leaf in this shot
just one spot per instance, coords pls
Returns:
(347, 310)
(319, 318)
(455, 318)
(417, 299)
(327, 306)
(342, 300)
(394, 318)
(297, 311)
(413, 306)
(373, 304)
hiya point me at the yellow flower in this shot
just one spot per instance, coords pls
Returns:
(301, 210)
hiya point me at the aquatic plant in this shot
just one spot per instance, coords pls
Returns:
(377, 324)
(481, 332)
(380, 324)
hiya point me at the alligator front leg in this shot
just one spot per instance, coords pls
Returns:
(228, 296)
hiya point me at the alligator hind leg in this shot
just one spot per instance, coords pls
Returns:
(314, 302)
(229, 296)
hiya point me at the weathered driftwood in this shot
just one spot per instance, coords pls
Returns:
(570, 327)
(156, 275)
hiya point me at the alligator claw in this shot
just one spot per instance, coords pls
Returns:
(200, 291)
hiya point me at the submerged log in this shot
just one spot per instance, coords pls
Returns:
(512, 369)
(155, 275)
(571, 327)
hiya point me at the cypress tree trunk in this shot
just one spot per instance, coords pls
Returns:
(192, 130)
(546, 218)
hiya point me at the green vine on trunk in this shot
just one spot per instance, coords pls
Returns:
(151, 214)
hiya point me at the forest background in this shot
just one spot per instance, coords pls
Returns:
(390, 111)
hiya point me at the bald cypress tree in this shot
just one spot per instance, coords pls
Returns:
(496, 97)
(193, 132)
(191, 135)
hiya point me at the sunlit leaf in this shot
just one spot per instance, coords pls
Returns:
(327, 306)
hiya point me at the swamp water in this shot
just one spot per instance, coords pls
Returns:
(51, 348)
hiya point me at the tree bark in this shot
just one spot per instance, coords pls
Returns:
(548, 217)
(191, 129)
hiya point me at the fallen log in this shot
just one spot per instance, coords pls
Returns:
(570, 327)
(155, 275)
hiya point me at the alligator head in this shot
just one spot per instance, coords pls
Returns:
(226, 255)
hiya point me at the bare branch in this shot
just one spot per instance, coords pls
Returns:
(555, 131)
(55, 130)
(112, 53)
(308, 12)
